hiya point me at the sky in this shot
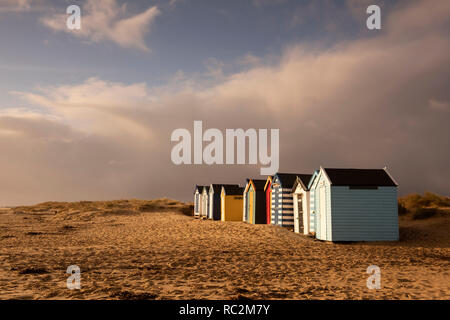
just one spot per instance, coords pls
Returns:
(88, 114)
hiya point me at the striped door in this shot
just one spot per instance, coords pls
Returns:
(275, 205)
(285, 208)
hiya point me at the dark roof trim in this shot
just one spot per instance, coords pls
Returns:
(217, 188)
(199, 188)
(303, 180)
(359, 177)
(233, 190)
(258, 184)
(288, 179)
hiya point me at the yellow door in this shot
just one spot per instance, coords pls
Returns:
(222, 206)
(251, 196)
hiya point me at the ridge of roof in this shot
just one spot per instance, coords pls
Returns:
(269, 178)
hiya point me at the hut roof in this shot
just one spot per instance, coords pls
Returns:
(311, 181)
(217, 188)
(199, 188)
(259, 184)
(233, 190)
(269, 179)
(287, 179)
(302, 179)
(360, 177)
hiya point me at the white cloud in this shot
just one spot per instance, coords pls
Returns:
(105, 20)
(438, 105)
(21, 5)
(96, 106)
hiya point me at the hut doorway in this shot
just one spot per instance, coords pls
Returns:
(211, 206)
(323, 213)
(251, 206)
(299, 216)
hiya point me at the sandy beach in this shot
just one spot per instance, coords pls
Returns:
(136, 250)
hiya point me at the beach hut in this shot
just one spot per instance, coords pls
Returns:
(231, 203)
(256, 199)
(301, 198)
(312, 222)
(354, 205)
(214, 209)
(269, 204)
(245, 202)
(205, 202)
(282, 199)
(197, 200)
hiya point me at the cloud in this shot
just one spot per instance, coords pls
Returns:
(21, 5)
(369, 102)
(250, 60)
(262, 3)
(96, 106)
(14, 5)
(174, 3)
(438, 105)
(105, 20)
(28, 124)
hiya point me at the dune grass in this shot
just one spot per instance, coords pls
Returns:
(422, 206)
(113, 207)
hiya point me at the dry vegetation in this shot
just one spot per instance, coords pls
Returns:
(90, 209)
(423, 206)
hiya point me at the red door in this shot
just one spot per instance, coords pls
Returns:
(269, 202)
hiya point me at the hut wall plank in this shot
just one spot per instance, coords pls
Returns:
(364, 215)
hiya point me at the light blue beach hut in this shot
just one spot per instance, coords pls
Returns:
(354, 205)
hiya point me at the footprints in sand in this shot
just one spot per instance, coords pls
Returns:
(171, 256)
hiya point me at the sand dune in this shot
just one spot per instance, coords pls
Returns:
(148, 250)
